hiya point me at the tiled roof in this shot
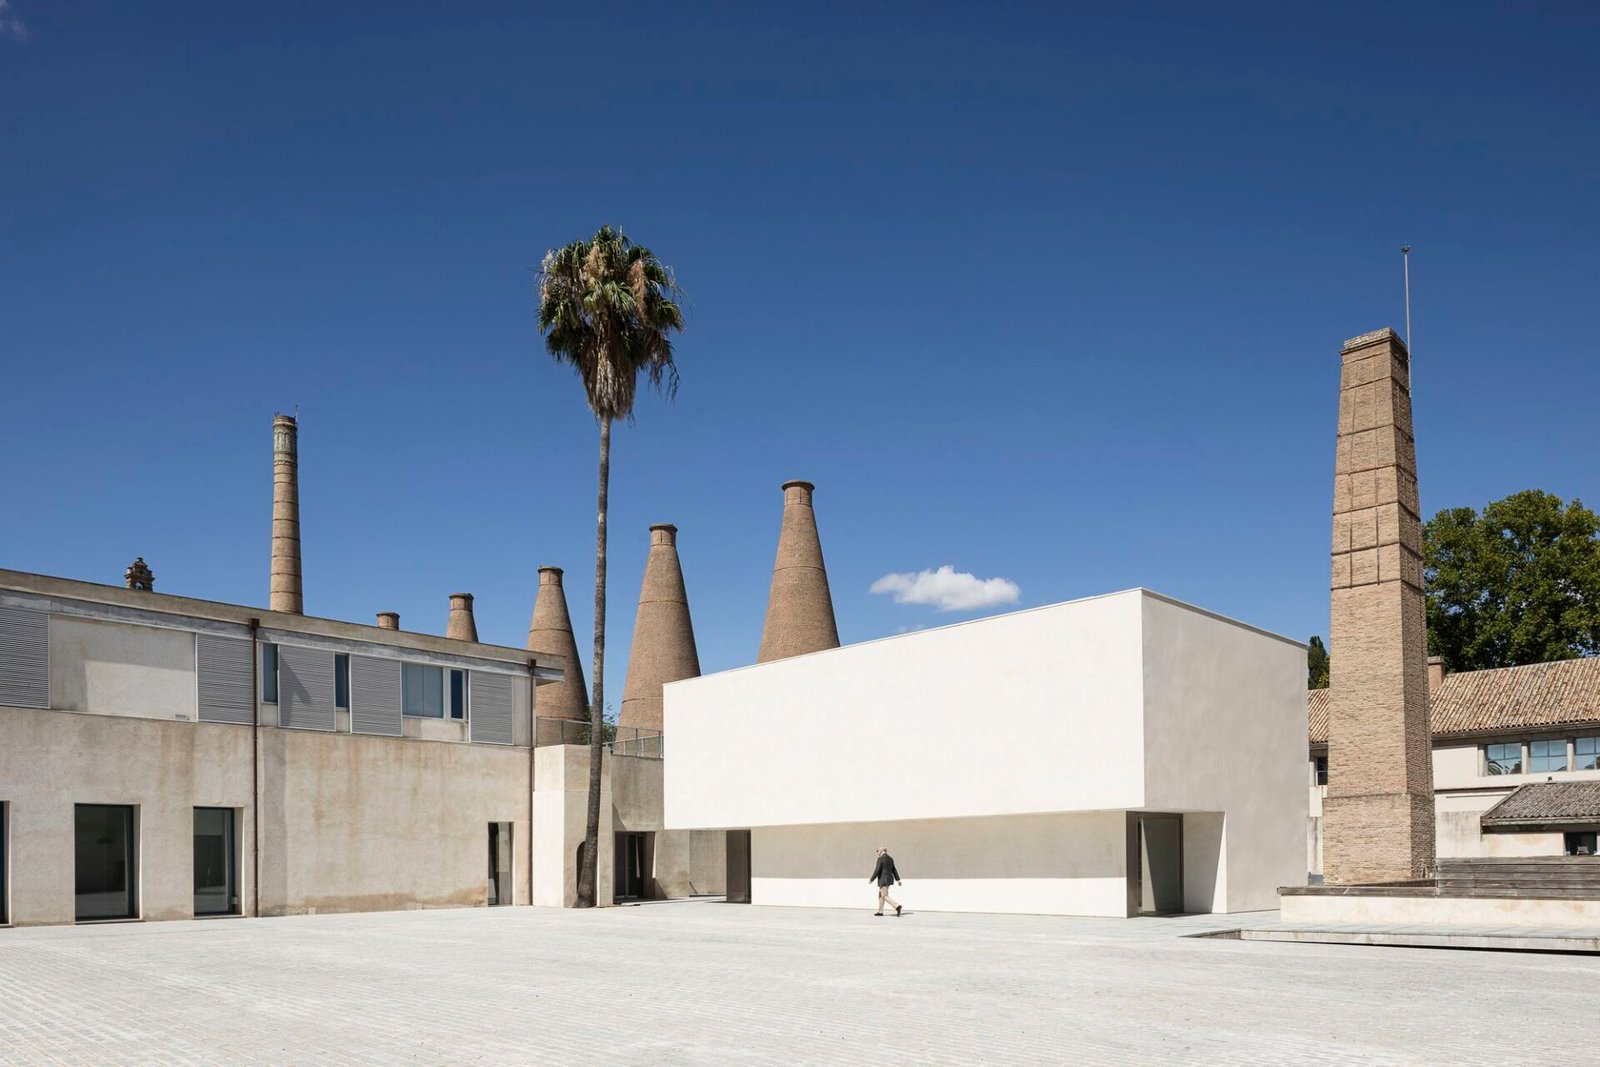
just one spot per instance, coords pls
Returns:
(1560, 693)
(1547, 802)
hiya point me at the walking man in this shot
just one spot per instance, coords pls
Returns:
(885, 875)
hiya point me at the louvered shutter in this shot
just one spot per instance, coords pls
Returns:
(305, 688)
(375, 696)
(222, 669)
(24, 658)
(491, 708)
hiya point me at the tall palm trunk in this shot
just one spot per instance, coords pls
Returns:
(588, 871)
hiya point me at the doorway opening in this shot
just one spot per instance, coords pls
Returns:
(104, 867)
(738, 880)
(1155, 863)
(631, 875)
(500, 864)
(216, 863)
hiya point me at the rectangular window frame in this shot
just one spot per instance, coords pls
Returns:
(415, 681)
(131, 860)
(341, 681)
(1586, 752)
(457, 698)
(269, 673)
(1319, 770)
(1547, 755)
(230, 861)
(1510, 760)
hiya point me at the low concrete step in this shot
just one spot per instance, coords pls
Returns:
(1584, 941)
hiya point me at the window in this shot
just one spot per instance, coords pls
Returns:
(269, 674)
(422, 690)
(216, 863)
(1580, 842)
(1587, 750)
(1503, 759)
(458, 694)
(341, 682)
(104, 854)
(1322, 770)
(1547, 756)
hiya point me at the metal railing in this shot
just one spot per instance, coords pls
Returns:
(621, 740)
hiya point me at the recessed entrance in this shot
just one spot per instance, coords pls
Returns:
(738, 872)
(631, 880)
(499, 864)
(104, 854)
(1155, 863)
(216, 863)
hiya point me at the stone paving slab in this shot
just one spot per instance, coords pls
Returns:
(707, 982)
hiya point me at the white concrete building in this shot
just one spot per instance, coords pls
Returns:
(1109, 756)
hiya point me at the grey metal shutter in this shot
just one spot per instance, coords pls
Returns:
(375, 696)
(491, 707)
(305, 688)
(24, 658)
(222, 667)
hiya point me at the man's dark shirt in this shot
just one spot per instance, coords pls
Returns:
(884, 873)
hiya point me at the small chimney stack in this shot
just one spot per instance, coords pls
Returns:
(138, 576)
(461, 626)
(388, 620)
(799, 607)
(1436, 673)
(285, 594)
(550, 634)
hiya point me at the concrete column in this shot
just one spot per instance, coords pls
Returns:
(550, 634)
(461, 626)
(285, 592)
(799, 607)
(388, 620)
(663, 635)
(1378, 816)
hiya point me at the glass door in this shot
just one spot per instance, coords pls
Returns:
(216, 864)
(104, 855)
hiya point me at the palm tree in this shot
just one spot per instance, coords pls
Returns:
(607, 308)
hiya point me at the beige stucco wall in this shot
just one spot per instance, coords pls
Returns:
(50, 761)
(1033, 864)
(120, 669)
(357, 823)
(1429, 911)
(560, 813)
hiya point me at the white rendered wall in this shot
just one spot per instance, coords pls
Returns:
(113, 668)
(1224, 731)
(1037, 711)
(1032, 864)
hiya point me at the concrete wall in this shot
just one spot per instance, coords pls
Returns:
(560, 816)
(1034, 864)
(1224, 731)
(51, 761)
(357, 823)
(118, 669)
(685, 863)
(1037, 711)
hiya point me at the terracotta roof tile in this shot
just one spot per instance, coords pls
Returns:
(1560, 693)
(1547, 802)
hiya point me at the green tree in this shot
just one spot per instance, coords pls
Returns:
(607, 308)
(1519, 583)
(1317, 664)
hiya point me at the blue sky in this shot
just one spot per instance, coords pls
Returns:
(1039, 294)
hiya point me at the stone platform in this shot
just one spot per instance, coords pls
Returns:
(1550, 892)
(1502, 938)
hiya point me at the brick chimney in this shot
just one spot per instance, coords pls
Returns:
(550, 634)
(1436, 673)
(138, 576)
(663, 635)
(388, 620)
(799, 607)
(285, 593)
(461, 626)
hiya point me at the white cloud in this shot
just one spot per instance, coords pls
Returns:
(10, 25)
(948, 589)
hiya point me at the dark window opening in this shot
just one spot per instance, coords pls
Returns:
(269, 674)
(458, 694)
(104, 854)
(341, 682)
(4, 855)
(422, 690)
(1322, 770)
(499, 864)
(1583, 843)
(216, 863)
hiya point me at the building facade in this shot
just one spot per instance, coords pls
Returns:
(1497, 733)
(1117, 755)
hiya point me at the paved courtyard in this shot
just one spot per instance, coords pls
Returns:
(702, 982)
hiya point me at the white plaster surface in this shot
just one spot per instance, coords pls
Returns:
(121, 669)
(1457, 911)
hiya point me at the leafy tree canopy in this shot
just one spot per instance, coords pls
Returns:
(1317, 664)
(1518, 583)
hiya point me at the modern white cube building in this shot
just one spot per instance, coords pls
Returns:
(1117, 755)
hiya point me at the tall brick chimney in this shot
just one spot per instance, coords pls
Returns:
(388, 620)
(461, 626)
(663, 635)
(1378, 816)
(550, 633)
(799, 607)
(284, 593)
